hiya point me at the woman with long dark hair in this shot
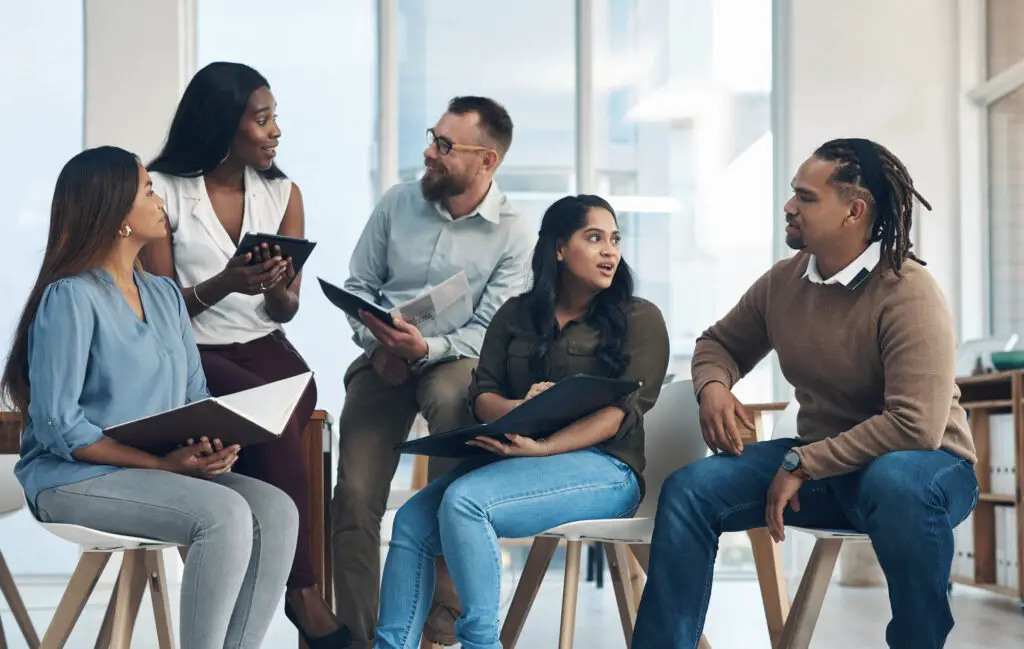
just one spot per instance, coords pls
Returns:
(218, 176)
(100, 343)
(580, 317)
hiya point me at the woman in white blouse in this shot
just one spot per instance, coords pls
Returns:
(217, 175)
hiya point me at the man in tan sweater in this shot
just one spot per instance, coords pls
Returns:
(865, 337)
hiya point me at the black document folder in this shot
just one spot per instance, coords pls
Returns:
(351, 303)
(548, 412)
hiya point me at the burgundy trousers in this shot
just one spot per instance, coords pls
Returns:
(282, 463)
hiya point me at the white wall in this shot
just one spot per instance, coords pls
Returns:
(887, 71)
(138, 59)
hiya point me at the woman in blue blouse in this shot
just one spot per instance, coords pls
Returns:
(101, 342)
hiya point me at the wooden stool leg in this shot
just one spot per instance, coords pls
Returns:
(81, 585)
(131, 587)
(161, 601)
(771, 577)
(107, 628)
(570, 590)
(526, 590)
(618, 566)
(18, 610)
(810, 595)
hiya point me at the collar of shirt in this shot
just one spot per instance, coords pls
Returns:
(853, 275)
(489, 208)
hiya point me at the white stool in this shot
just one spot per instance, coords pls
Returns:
(142, 563)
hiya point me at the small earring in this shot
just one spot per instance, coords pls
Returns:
(226, 156)
(125, 231)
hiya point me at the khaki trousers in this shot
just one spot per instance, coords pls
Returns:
(376, 417)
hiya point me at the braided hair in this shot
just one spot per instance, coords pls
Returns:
(892, 215)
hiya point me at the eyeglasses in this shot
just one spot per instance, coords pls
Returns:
(445, 146)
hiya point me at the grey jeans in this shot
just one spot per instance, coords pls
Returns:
(241, 535)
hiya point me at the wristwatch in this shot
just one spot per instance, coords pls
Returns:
(791, 463)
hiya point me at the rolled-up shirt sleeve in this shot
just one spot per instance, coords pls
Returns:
(648, 345)
(59, 341)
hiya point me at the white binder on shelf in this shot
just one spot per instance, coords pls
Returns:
(1001, 469)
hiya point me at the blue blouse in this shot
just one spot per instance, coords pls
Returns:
(94, 364)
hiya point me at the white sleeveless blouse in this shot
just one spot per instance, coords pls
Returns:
(202, 247)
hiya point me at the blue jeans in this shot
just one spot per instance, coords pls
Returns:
(908, 502)
(463, 514)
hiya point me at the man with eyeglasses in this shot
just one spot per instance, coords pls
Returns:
(419, 235)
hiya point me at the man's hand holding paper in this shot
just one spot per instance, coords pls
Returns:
(404, 340)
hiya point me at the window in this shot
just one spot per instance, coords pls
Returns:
(320, 62)
(693, 182)
(41, 100)
(1005, 118)
(451, 47)
(1006, 203)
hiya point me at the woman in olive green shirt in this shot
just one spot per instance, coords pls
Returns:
(580, 317)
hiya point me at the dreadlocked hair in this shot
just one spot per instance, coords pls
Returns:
(891, 224)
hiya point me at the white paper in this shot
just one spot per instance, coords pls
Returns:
(270, 405)
(440, 309)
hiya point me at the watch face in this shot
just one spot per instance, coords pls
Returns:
(790, 461)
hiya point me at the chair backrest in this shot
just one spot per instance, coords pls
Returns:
(785, 425)
(672, 439)
(12, 498)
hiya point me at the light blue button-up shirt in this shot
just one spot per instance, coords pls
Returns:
(93, 364)
(410, 244)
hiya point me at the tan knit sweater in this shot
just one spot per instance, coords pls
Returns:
(872, 367)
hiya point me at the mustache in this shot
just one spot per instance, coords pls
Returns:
(790, 217)
(435, 166)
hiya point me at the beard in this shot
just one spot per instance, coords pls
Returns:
(438, 184)
(794, 241)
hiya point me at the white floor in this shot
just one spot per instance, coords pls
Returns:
(851, 619)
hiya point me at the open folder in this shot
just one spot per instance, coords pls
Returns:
(548, 412)
(246, 418)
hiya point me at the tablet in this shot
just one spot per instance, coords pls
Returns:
(298, 249)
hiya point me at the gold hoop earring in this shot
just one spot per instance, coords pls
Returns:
(125, 231)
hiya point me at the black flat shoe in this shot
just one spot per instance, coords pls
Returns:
(339, 639)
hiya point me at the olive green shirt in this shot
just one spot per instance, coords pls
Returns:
(504, 367)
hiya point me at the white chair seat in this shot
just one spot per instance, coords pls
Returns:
(612, 530)
(91, 540)
(847, 535)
